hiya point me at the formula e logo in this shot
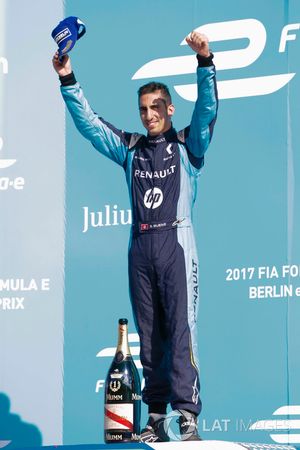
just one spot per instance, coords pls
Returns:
(251, 29)
(7, 183)
(4, 68)
(4, 163)
(282, 424)
(153, 198)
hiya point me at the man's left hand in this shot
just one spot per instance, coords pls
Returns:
(199, 43)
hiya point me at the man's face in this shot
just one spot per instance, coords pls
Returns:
(155, 113)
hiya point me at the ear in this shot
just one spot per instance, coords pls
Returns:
(171, 109)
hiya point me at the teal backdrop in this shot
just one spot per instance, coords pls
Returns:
(246, 218)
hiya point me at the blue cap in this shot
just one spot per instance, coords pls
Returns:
(67, 32)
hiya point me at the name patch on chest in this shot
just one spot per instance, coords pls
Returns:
(156, 174)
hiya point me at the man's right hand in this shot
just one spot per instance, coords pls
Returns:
(62, 67)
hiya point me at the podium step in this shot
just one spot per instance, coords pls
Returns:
(217, 445)
(173, 445)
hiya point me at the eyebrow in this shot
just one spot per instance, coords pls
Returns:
(155, 103)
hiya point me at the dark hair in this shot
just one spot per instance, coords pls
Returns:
(153, 86)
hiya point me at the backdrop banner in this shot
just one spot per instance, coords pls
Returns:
(32, 177)
(65, 213)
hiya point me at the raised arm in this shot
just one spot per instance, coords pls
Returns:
(199, 133)
(107, 139)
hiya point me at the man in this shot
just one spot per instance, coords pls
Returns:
(161, 171)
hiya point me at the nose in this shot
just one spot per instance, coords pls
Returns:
(149, 114)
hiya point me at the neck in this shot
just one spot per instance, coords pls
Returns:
(166, 131)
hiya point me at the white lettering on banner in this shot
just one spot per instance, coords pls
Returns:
(282, 291)
(250, 29)
(291, 271)
(267, 272)
(285, 36)
(7, 183)
(286, 272)
(45, 284)
(4, 65)
(20, 284)
(99, 385)
(14, 303)
(246, 273)
(112, 216)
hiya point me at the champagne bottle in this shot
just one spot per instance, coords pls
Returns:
(122, 408)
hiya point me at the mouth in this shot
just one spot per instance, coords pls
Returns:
(151, 124)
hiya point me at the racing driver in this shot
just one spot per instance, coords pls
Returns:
(162, 169)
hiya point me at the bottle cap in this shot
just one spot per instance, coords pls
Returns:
(123, 321)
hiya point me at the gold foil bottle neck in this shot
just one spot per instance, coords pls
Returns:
(123, 345)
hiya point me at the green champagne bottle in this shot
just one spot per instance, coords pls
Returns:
(122, 410)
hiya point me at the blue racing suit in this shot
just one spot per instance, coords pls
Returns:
(161, 174)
